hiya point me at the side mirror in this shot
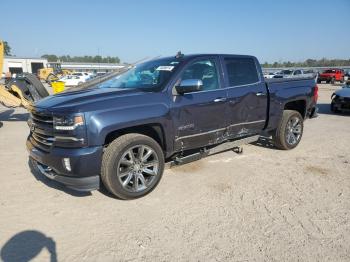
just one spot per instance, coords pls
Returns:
(189, 85)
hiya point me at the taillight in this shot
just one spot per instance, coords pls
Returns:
(315, 93)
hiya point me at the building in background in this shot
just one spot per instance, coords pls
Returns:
(17, 65)
(91, 67)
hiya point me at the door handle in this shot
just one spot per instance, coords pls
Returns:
(260, 94)
(220, 99)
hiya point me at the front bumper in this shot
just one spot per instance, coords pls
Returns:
(341, 105)
(85, 165)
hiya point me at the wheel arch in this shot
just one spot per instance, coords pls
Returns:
(297, 105)
(153, 130)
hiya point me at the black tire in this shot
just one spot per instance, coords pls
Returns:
(280, 136)
(319, 81)
(333, 81)
(111, 166)
(35, 82)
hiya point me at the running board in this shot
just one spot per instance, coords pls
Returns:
(212, 151)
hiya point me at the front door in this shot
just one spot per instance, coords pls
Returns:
(199, 117)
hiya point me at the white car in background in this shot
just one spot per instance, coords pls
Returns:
(269, 75)
(73, 80)
(296, 73)
(85, 75)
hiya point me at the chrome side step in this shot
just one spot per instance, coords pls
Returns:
(204, 152)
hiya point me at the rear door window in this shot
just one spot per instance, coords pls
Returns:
(241, 71)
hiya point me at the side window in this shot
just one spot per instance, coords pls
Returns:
(297, 72)
(241, 71)
(204, 70)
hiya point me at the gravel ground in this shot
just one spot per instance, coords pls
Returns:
(262, 205)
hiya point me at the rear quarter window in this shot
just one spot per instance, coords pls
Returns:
(241, 71)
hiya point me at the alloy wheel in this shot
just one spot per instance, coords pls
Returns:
(294, 130)
(137, 168)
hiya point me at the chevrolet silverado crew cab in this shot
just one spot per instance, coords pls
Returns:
(123, 130)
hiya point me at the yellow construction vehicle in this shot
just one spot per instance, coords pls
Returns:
(22, 91)
(52, 73)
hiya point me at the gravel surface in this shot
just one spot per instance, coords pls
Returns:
(262, 205)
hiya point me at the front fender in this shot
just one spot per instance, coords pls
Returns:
(101, 123)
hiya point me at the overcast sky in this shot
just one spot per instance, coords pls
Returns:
(271, 30)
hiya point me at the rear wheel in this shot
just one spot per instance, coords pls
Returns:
(333, 81)
(132, 166)
(288, 134)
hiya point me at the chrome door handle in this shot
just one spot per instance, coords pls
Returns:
(260, 94)
(220, 99)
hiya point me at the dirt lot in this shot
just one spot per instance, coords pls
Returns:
(262, 205)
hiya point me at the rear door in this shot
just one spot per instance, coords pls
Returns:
(199, 117)
(246, 94)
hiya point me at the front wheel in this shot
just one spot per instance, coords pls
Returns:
(132, 166)
(288, 134)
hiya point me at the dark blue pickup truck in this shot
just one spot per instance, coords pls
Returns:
(123, 130)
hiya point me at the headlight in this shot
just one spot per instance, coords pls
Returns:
(68, 122)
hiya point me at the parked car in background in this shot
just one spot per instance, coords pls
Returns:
(121, 131)
(347, 75)
(331, 76)
(269, 75)
(341, 100)
(87, 76)
(293, 73)
(73, 80)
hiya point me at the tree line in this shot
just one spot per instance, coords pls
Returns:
(324, 62)
(82, 59)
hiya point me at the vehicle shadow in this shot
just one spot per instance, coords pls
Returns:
(53, 184)
(103, 190)
(26, 245)
(265, 142)
(325, 109)
(10, 115)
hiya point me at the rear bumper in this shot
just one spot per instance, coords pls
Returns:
(85, 166)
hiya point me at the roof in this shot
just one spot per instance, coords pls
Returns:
(19, 57)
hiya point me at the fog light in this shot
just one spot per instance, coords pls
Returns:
(66, 162)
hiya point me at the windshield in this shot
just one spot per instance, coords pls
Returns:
(149, 75)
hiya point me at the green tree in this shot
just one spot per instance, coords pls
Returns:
(50, 58)
(7, 49)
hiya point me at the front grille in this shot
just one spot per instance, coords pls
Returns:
(41, 130)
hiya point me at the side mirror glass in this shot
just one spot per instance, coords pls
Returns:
(189, 85)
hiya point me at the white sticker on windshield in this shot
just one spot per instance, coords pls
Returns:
(165, 68)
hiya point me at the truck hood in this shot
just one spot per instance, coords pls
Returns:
(86, 99)
(345, 92)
